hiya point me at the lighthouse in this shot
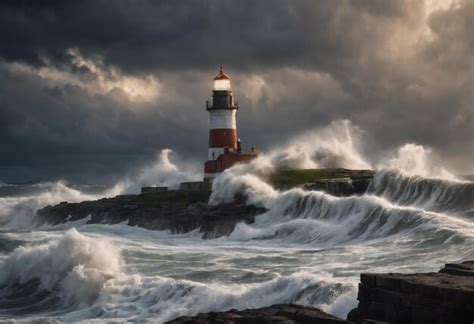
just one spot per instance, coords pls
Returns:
(225, 148)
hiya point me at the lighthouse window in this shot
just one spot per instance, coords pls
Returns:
(221, 84)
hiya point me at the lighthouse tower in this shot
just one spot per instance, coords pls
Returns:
(224, 146)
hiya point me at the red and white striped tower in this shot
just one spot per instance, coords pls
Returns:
(224, 147)
(222, 121)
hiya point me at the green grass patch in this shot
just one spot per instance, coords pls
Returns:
(292, 178)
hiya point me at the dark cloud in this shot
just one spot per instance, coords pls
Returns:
(400, 72)
(169, 35)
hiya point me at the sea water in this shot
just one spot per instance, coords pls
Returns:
(309, 247)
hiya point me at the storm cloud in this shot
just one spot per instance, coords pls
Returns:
(91, 90)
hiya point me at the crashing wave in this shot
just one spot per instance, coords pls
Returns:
(81, 277)
(139, 298)
(302, 216)
(428, 193)
(18, 211)
(74, 266)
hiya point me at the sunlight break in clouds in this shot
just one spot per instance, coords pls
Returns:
(98, 78)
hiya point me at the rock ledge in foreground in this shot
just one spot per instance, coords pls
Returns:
(444, 297)
(284, 313)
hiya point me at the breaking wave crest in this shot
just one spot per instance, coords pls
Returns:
(72, 269)
(454, 197)
(298, 216)
(395, 205)
(138, 298)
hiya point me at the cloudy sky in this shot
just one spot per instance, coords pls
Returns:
(92, 89)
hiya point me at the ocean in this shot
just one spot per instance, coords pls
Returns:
(309, 248)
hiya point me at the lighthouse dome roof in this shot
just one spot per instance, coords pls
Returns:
(221, 75)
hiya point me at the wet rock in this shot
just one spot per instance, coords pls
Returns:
(459, 269)
(340, 187)
(178, 212)
(285, 313)
(444, 297)
(343, 183)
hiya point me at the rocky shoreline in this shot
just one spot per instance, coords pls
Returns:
(175, 211)
(182, 211)
(445, 297)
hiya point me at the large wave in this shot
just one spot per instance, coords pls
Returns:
(302, 216)
(80, 277)
(434, 194)
(396, 204)
(139, 298)
(75, 267)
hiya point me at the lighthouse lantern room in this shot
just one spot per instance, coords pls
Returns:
(224, 146)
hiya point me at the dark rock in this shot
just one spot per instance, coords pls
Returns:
(274, 314)
(444, 297)
(178, 212)
(459, 269)
(343, 183)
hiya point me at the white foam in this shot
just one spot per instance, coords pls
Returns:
(415, 159)
(162, 172)
(74, 264)
(433, 194)
(139, 298)
(18, 211)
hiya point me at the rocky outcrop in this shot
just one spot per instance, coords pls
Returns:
(459, 269)
(274, 314)
(178, 212)
(340, 187)
(343, 183)
(444, 297)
